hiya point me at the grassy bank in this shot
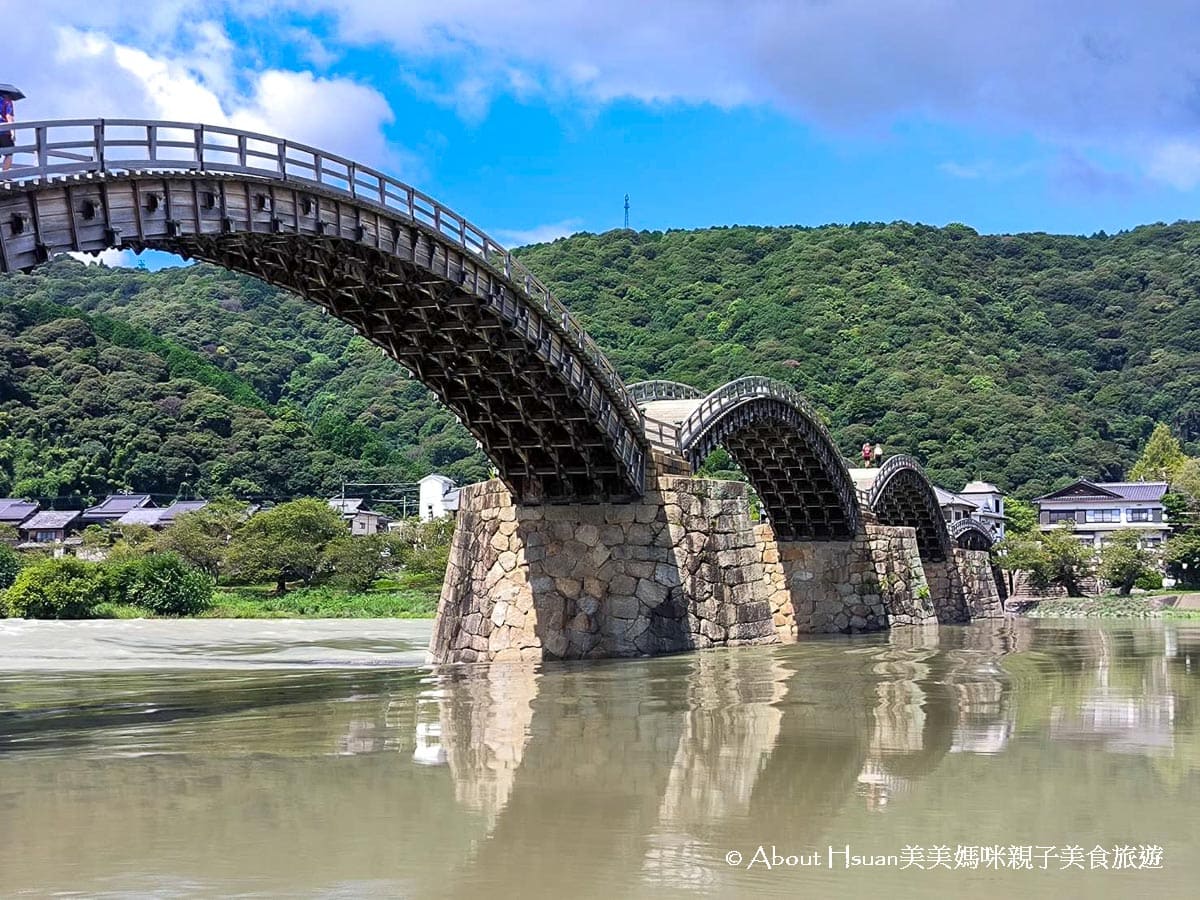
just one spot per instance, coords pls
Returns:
(413, 597)
(1111, 606)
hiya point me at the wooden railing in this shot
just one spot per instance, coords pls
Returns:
(649, 391)
(52, 149)
(737, 392)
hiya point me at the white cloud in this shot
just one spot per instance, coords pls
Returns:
(1177, 163)
(539, 234)
(125, 259)
(171, 62)
(1080, 74)
(988, 169)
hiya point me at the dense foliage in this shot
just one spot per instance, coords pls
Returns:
(1124, 561)
(10, 565)
(65, 588)
(1025, 359)
(70, 588)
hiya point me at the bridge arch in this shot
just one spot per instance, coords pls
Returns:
(902, 494)
(971, 534)
(781, 444)
(436, 293)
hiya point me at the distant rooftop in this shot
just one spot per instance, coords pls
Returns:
(1108, 490)
(116, 505)
(179, 508)
(50, 520)
(980, 487)
(948, 498)
(14, 510)
(148, 515)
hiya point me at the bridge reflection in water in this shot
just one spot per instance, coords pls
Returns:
(718, 751)
(601, 779)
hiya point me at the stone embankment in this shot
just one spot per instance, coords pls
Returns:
(684, 568)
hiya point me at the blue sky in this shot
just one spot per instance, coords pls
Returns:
(534, 119)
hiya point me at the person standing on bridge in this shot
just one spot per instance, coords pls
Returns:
(878, 454)
(7, 138)
(866, 454)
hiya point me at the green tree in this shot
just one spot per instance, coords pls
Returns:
(285, 542)
(1181, 553)
(95, 537)
(10, 565)
(134, 543)
(1065, 561)
(1019, 554)
(1123, 561)
(202, 537)
(354, 562)
(1020, 517)
(163, 583)
(1187, 480)
(58, 589)
(1161, 458)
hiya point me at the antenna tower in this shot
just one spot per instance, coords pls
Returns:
(626, 212)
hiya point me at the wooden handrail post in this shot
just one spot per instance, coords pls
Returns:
(43, 155)
(98, 138)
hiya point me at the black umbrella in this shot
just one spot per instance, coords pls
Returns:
(11, 92)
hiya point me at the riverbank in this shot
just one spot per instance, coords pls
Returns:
(1178, 605)
(412, 597)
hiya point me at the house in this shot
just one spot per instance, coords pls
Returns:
(990, 502)
(978, 500)
(156, 517)
(438, 497)
(50, 526)
(14, 511)
(954, 506)
(361, 521)
(1097, 509)
(113, 507)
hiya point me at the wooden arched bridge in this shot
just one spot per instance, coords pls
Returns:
(448, 303)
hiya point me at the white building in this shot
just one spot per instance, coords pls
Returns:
(954, 506)
(361, 521)
(1098, 509)
(438, 497)
(978, 500)
(990, 502)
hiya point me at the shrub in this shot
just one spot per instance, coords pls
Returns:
(1149, 581)
(164, 584)
(354, 562)
(58, 589)
(10, 565)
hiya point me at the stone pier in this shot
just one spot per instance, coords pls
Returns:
(685, 568)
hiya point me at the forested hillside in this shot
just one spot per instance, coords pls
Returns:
(1023, 359)
(201, 380)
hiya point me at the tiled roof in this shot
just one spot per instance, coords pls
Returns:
(119, 504)
(1108, 490)
(50, 519)
(945, 498)
(980, 487)
(178, 508)
(16, 510)
(144, 516)
(347, 506)
(1137, 490)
